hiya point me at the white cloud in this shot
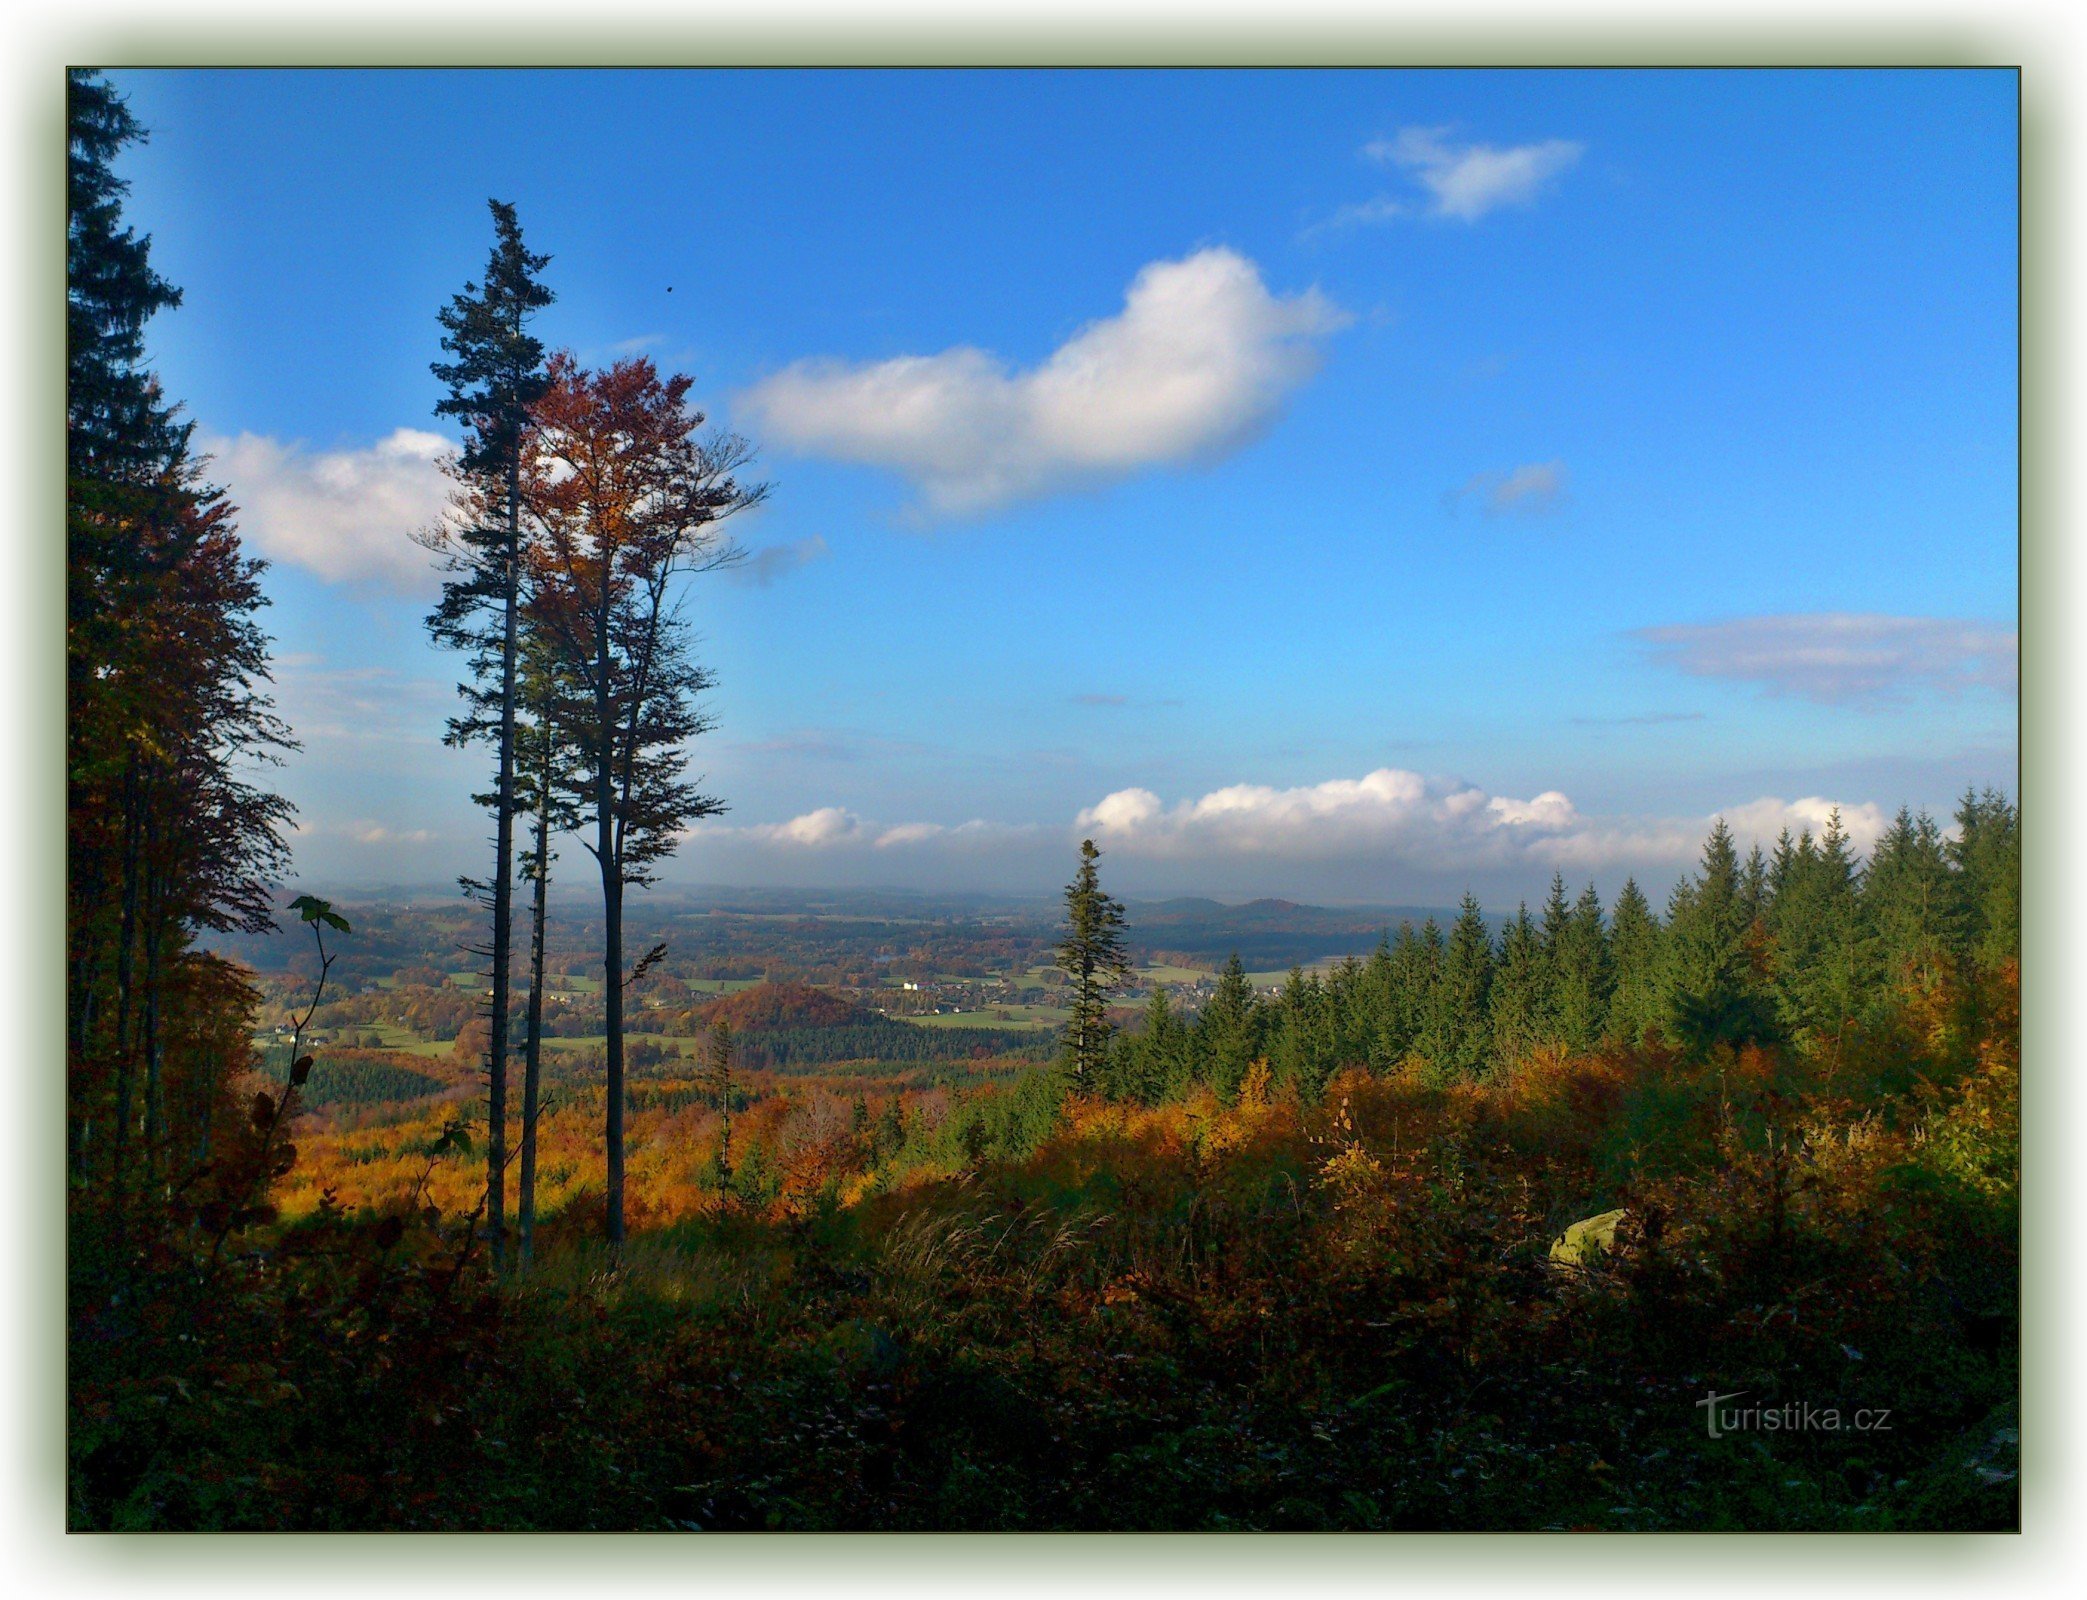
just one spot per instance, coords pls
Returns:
(347, 516)
(815, 830)
(366, 832)
(1384, 809)
(1361, 214)
(1759, 821)
(1548, 810)
(1199, 359)
(1392, 817)
(1467, 181)
(1840, 658)
(910, 833)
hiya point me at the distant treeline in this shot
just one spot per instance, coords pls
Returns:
(1807, 944)
(884, 1040)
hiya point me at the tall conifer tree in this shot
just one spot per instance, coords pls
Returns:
(1092, 955)
(1226, 1030)
(1459, 1030)
(1636, 1000)
(1520, 1002)
(1581, 978)
(1911, 902)
(1987, 854)
(168, 833)
(495, 374)
(1710, 995)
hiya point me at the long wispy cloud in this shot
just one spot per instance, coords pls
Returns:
(1843, 658)
(1458, 181)
(1529, 490)
(835, 828)
(773, 561)
(1201, 357)
(347, 516)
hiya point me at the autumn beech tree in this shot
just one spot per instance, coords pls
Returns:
(494, 374)
(626, 496)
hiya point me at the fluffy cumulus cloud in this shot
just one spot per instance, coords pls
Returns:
(814, 830)
(348, 516)
(1383, 811)
(1843, 658)
(1199, 359)
(1465, 181)
(1759, 821)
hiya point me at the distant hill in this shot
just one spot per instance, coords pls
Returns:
(1267, 933)
(770, 1006)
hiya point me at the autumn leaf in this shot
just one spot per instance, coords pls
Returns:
(313, 909)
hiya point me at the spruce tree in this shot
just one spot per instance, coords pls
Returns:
(1302, 1054)
(1092, 955)
(1581, 977)
(495, 374)
(718, 1080)
(118, 427)
(168, 833)
(1753, 887)
(1350, 1019)
(1520, 1002)
(1710, 996)
(1374, 1009)
(1557, 916)
(1227, 1029)
(1912, 904)
(1823, 967)
(1848, 980)
(1637, 996)
(1987, 854)
(1157, 1068)
(1416, 967)
(1782, 867)
(1458, 1035)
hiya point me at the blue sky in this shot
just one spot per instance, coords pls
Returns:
(1344, 485)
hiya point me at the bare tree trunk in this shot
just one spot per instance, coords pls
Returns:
(612, 994)
(126, 939)
(532, 1061)
(610, 859)
(503, 890)
(150, 1046)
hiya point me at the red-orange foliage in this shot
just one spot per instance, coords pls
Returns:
(783, 1005)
